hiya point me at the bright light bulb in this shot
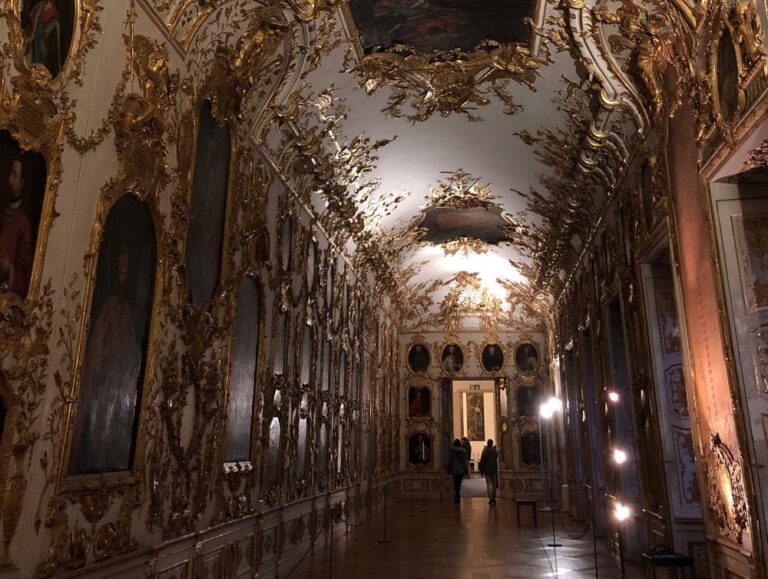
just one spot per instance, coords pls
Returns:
(556, 404)
(613, 396)
(619, 456)
(546, 411)
(621, 512)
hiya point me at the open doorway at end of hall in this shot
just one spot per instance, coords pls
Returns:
(474, 416)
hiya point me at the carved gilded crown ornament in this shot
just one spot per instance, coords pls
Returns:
(444, 81)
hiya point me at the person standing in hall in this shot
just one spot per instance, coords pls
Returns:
(467, 446)
(457, 467)
(489, 467)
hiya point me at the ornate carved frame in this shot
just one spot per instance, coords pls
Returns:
(125, 184)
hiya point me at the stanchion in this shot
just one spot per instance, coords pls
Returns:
(594, 541)
(330, 552)
(384, 539)
(413, 512)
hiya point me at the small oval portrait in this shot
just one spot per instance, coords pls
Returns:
(47, 26)
(418, 358)
(23, 177)
(452, 358)
(527, 358)
(419, 402)
(420, 450)
(492, 358)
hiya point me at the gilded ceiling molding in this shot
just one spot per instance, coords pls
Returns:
(444, 82)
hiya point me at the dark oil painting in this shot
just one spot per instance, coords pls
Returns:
(527, 358)
(441, 224)
(420, 449)
(418, 358)
(727, 75)
(492, 358)
(47, 27)
(205, 235)
(530, 449)
(527, 401)
(429, 25)
(115, 356)
(419, 402)
(245, 347)
(23, 177)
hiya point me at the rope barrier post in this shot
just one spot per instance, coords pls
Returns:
(594, 544)
(330, 553)
(413, 512)
(384, 540)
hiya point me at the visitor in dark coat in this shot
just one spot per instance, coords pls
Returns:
(457, 467)
(489, 467)
(467, 446)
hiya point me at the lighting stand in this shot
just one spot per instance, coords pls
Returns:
(412, 513)
(384, 539)
(554, 544)
(621, 551)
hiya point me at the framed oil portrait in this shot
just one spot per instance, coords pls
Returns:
(418, 358)
(492, 358)
(527, 358)
(452, 359)
(242, 375)
(419, 402)
(420, 449)
(527, 401)
(729, 97)
(530, 449)
(48, 27)
(114, 363)
(208, 206)
(23, 177)
(475, 410)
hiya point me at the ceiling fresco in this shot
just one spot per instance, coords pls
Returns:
(474, 164)
(428, 25)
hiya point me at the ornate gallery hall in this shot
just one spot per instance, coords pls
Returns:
(457, 289)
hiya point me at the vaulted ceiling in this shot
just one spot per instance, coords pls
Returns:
(494, 134)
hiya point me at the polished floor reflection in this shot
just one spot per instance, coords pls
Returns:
(438, 539)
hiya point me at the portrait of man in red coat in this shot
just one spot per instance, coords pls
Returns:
(17, 244)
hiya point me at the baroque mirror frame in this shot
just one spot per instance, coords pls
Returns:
(113, 193)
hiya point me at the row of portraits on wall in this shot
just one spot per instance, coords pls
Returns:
(526, 358)
(122, 294)
(420, 402)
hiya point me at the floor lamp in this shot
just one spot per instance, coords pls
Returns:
(546, 412)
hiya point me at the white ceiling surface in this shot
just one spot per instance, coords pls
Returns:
(422, 152)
